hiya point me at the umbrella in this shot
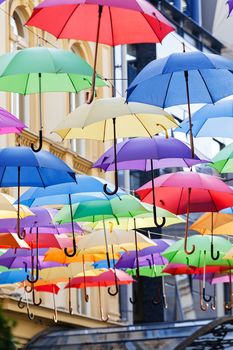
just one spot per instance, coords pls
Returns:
(188, 192)
(49, 288)
(95, 121)
(86, 188)
(111, 22)
(142, 221)
(9, 123)
(13, 276)
(9, 211)
(183, 78)
(184, 269)
(20, 166)
(11, 240)
(223, 161)
(215, 120)
(216, 223)
(147, 155)
(42, 69)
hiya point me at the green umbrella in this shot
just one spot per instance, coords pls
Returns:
(41, 69)
(223, 161)
(201, 257)
(149, 271)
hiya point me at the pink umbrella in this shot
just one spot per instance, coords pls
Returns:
(9, 124)
(188, 192)
(110, 22)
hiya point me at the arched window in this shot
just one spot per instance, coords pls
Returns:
(19, 40)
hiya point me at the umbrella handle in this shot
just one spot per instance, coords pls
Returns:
(212, 252)
(70, 305)
(34, 280)
(205, 298)
(106, 191)
(20, 304)
(73, 253)
(113, 293)
(34, 299)
(133, 300)
(203, 306)
(213, 304)
(29, 313)
(101, 309)
(154, 201)
(28, 289)
(40, 142)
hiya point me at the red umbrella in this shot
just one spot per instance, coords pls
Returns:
(188, 192)
(110, 22)
(48, 240)
(181, 269)
(50, 288)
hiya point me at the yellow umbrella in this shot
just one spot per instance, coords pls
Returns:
(63, 273)
(112, 118)
(216, 223)
(116, 240)
(9, 211)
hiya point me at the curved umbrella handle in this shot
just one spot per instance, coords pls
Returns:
(153, 196)
(113, 293)
(228, 306)
(34, 299)
(203, 306)
(28, 289)
(205, 298)
(20, 304)
(102, 317)
(213, 304)
(40, 142)
(212, 252)
(106, 191)
(29, 313)
(134, 300)
(188, 252)
(149, 263)
(73, 253)
(34, 280)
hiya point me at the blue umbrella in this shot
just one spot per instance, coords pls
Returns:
(211, 121)
(86, 188)
(183, 78)
(13, 276)
(20, 166)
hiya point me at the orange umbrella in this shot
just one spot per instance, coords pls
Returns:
(11, 240)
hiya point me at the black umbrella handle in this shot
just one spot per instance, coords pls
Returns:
(40, 142)
(73, 253)
(188, 252)
(205, 298)
(106, 191)
(212, 252)
(154, 201)
(133, 300)
(21, 305)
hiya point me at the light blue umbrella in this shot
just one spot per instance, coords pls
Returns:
(13, 276)
(211, 121)
(183, 78)
(86, 188)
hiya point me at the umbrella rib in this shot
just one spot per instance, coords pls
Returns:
(3, 173)
(104, 135)
(76, 91)
(151, 26)
(143, 125)
(68, 19)
(168, 85)
(206, 86)
(26, 85)
(38, 169)
(213, 200)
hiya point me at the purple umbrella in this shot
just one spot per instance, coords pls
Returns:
(39, 223)
(230, 4)
(149, 154)
(9, 124)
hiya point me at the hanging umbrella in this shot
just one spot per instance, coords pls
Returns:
(183, 78)
(10, 211)
(49, 288)
(184, 269)
(12, 276)
(11, 240)
(142, 221)
(111, 22)
(147, 155)
(63, 273)
(42, 69)
(86, 188)
(212, 120)
(20, 166)
(9, 123)
(95, 121)
(187, 192)
(216, 223)
(223, 161)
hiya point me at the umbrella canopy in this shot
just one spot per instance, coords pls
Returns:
(60, 241)
(202, 256)
(101, 277)
(94, 121)
(183, 78)
(43, 69)
(12, 276)
(58, 256)
(137, 153)
(48, 288)
(207, 193)
(63, 273)
(230, 4)
(92, 211)
(120, 241)
(148, 271)
(11, 240)
(223, 161)
(216, 223)
(118, 21)
(140, 221)
(212, 120)
(184, 269)
(9, 123)
(9, 211)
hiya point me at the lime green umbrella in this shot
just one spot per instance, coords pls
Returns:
(149, 271)
(202, 255)
(223, 161)
(41, 69)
